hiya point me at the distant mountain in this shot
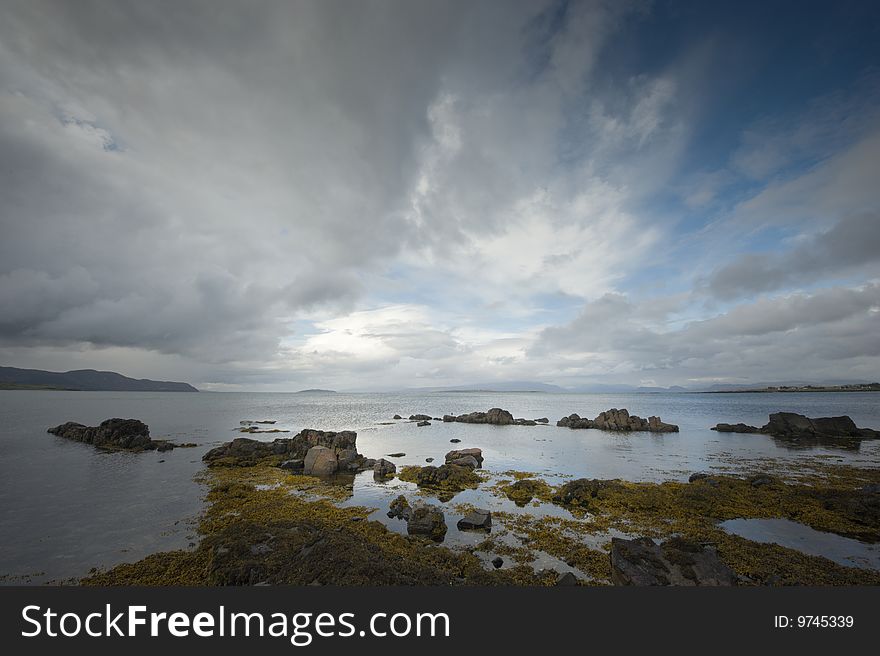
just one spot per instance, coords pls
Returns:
(316, 391)
(86, 380)
(507, 386)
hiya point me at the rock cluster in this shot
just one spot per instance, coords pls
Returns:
(675, 562)
(495, 416)
(618, 420)
(579, 492)
(322, 453)
(794, 426)
(421, 518)
(477, 519)
(114, 434)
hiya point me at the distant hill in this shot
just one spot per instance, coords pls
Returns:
(316, 391)
(508, 386)
(86, 380)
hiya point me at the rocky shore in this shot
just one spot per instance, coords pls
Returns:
(789, 425)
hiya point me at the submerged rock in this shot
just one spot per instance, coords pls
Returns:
(618, 420)
(246, 452)
(476, 520)
(580, 491)
(113, 434)
(790, 425)
(675, 562)
(523, 491)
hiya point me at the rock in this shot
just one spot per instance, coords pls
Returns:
(478, 519)
(438, 418)
(497, 562)
(699, 476)
(465, 461)
(397, 417)
(450, 477)
(455, 440)
(113, 434)
(246, 452)
(542, 420)
(429, 460)
(567, 579)
(399, 508)
(420, 417)
(581, 491)
(292, 465)
(735, 428)
(871, 488)
(495, 416)
(457, 454)
(320, 461)
(792, 426)
(675, 562)
(427, 519)
(618, 420)
(384, 468)
(396, 455)
(525, 422)
(423, 423)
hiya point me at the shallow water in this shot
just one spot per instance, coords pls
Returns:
(786, 533)
(65, 507)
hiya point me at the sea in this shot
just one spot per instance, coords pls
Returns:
(66, 507)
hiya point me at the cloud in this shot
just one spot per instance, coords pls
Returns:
(848, 246)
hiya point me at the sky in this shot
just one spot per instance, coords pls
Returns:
(373, 195)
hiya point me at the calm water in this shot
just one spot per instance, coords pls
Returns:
(65, 507)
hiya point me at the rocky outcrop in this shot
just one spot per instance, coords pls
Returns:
(114, 434)
(478, 519)
(675, 562)
(246, 452)
(523, 491)
(735, 428)
(472, 458)
(495, 416)
(618, 420)
(790, 425)
(420, 417)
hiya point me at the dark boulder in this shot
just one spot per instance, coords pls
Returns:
(397, 417)
(423, 423)
(420, 417)
(675, 562)
(384, 468)
(476, 520)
